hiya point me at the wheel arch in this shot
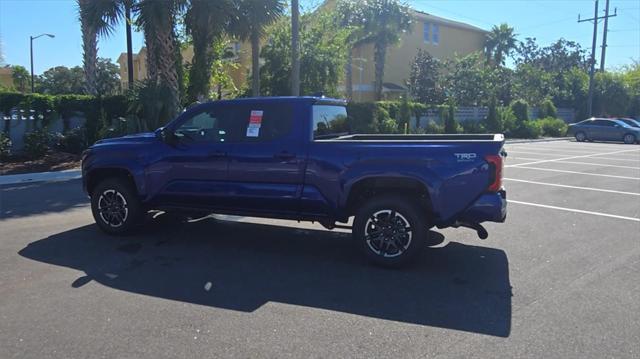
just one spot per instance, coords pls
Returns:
(97, 175)
(366, 188)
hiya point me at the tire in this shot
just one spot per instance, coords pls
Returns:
(581, 136)
(629, 139)
(396, 241)
(116, 207)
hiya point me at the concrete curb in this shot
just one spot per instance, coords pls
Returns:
(41, 176)
(540, 140)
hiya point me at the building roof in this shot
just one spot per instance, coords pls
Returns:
(461, 25)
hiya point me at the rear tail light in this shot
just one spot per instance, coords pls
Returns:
(495, 172)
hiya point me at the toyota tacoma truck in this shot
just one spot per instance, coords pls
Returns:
(293, 158)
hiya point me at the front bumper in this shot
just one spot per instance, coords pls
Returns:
(490, 207)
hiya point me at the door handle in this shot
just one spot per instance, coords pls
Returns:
(217, 154)
(285, 155)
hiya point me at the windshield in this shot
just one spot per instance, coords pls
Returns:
(329, 121)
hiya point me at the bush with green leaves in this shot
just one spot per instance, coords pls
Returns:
(36, 143)
(553, 127)
(434, 128)
(72, 141)
(527, 129)
(448, 117)
(492, 122)
(547, 109)
(507, 119)
(520, 109)
(473, 127)
(5, 146)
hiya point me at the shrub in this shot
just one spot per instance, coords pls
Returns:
(520, 109)
(72, 141)
(547, 109)
(528, 129)
(507, 119)
(473, 127)
(447, 114)
(553, 127)
(492, 122)
(434, 128)
(36, 143)
(5, 146)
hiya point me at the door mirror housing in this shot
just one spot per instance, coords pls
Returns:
(167, 136)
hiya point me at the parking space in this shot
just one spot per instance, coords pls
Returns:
(591, 179)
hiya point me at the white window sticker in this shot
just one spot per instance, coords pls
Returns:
(253, 130)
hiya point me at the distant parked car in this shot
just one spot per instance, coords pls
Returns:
(603, 129)
(631, 122)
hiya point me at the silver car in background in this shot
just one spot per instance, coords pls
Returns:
(604, 129)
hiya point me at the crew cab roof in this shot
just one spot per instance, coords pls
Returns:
(291, 99)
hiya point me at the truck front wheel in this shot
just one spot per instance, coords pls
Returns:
(390, 229)
(115, 206)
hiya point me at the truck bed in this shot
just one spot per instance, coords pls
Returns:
(421, 138)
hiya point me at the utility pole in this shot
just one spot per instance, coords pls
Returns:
(127, 9)
(604, 34)
(295, 48)
(593, 57)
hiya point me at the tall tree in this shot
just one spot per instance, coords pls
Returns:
(206, 21)
(20, 77)
(424, 79)
(500, 42)
(157, 19)
(350, 17)
(89, 44)
(383, 21)
(253, 18)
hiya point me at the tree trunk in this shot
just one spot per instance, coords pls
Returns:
(152, 66)
(90, 51)
(295, 48)
(166, 60)
(380, 54)
(349, 75)
(255, 64)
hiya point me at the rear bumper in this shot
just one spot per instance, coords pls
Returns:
(490, 207)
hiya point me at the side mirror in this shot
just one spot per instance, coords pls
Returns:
(166, 135)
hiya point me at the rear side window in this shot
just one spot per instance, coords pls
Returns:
(329, 121)
(264, 123)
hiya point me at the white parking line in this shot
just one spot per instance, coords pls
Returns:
(575, 210)
(578, 173)
(577, 163)
(573, 187)
(543, 150)
(571, 158)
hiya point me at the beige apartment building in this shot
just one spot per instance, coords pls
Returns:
(241, 51)
(442, 38)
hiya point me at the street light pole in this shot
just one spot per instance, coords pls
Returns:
(31, 38)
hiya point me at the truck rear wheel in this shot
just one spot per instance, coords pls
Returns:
(390, 230)
(115, 206)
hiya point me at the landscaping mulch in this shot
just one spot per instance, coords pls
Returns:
(53, 161)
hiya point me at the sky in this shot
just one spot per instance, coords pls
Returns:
(545, 20)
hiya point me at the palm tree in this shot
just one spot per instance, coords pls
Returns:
(157, 20)
(499, 43)
(350, 16)
(253, 17)
(89, 44)
(206, 21)
(383, 21)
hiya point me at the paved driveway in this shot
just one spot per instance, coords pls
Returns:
(560, 279)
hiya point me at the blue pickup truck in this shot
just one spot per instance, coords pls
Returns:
(293, 158)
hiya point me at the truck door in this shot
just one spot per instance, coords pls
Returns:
(266, 165)
(193, 170)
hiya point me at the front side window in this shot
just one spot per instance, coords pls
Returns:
(329, 121)
(211, 125)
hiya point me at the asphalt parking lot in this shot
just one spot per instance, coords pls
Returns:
(560, 279)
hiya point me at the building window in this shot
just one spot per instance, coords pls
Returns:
(435, 34)
(426, 32)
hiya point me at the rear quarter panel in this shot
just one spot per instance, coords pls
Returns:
(455, 173)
